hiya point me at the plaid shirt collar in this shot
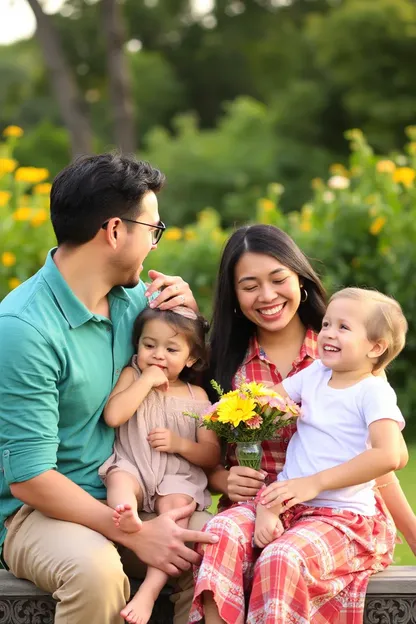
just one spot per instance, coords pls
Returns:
(309, 349)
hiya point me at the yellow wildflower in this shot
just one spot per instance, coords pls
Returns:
(173, 234)
(31, 174)
(266, 204)
(377, 225)
(190, 235)
(411, 148)
(405, 175)
(257, 389)
(235, 410)
(411, 132)
(13, 131)
(39, 218)
(317, 184)
(307, 211)
(354, 135)
(22, 214)
(7, 165)
(305, 225)
(338, 169)
(43, 189)
(14, 283)
(385, 166)
(8, 258)
(4, 197)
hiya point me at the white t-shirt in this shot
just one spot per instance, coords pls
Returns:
(333, 429)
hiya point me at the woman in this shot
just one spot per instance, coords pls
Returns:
(268, 309)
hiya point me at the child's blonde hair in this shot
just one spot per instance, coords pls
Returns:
(385, 321)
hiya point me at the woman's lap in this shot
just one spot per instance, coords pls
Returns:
(328, 555)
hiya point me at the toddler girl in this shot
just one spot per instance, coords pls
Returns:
(159, 451)
(349, 430)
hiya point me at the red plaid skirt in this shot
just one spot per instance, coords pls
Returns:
(315, 573)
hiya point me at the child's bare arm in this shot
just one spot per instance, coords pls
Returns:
(129, 392)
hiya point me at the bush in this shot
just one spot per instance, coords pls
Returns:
(359, 228)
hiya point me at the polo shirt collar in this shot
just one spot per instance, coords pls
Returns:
(75, 312)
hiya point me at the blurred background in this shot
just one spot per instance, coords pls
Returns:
(298, 113)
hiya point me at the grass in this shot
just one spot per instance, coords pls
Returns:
(402, 555)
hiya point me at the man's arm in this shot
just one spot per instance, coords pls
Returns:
(160, 542)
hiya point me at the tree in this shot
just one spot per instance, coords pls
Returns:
(63, 83)
(118, 75)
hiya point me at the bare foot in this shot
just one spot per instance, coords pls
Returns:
(139, 609)
(127, 519)
(279, 529)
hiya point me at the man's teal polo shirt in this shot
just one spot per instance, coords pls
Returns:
(58, 365)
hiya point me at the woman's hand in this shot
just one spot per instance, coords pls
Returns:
(291, 492)
(174, 292)
(243, 483)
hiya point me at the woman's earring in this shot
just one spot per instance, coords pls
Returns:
(303, 295)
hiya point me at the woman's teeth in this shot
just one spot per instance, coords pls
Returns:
(271, 311)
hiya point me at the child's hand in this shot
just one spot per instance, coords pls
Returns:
(293, 492)
(268, 527)
(156, 378)
(164, 440)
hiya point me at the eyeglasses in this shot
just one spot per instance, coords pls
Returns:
(156, 232)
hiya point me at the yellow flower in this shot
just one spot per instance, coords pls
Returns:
(8, 258)
(43, 189)
(31, 174)
(39, 218)
(405, 175)
(173, 234)
(305, 226)
(190, 235)
(411, 132)
(257, 389)
(14, 283)
(377, 225)
(411, 148)
(235, 410)
(385, 166)
(7, 165)
(22, 214)
(317, 184)
(266, 204)
(13, 131)
(307, 211)
(338, 169)
(354, 135)
(4, 197)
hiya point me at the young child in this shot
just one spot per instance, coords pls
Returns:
(159, 451)
(349, 430)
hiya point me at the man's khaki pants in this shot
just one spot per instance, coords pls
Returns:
(82, 569)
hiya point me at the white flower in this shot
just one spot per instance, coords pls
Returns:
(338, 182)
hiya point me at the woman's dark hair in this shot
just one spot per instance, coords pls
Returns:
(194, 331)
(93, 189)
(231, 330)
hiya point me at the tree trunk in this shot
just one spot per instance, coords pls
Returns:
(119, 78)
(63, 83)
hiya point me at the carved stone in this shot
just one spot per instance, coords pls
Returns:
(391, 599)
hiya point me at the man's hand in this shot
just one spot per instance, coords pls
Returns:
(243, 483)
(175, 292)
(291, 492)
(161, 542)
(165, 440)
(268, 526)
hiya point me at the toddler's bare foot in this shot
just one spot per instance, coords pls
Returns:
(126, 518)
(279, 529)
(139, 609)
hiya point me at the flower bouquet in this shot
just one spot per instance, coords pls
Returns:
(247, 416)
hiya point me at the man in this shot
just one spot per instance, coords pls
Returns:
(65, 336)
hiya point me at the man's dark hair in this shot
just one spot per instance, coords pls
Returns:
(94, 189)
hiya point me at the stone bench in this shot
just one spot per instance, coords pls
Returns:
(391, 599)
